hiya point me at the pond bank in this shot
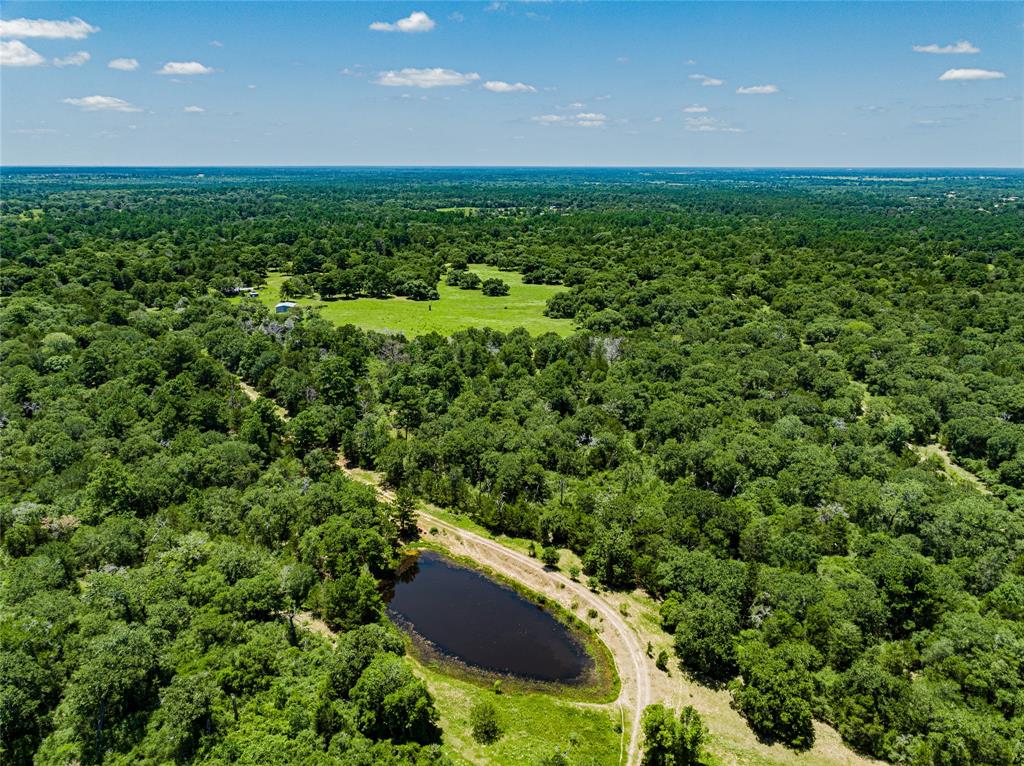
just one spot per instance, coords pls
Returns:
(474, 624)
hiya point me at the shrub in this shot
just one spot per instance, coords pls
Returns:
(549, 555)
(483, 719)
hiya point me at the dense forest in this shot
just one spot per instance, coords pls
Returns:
(792, 411)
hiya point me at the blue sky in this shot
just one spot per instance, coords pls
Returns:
(599, 83)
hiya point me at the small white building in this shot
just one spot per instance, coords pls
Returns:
(284, 306)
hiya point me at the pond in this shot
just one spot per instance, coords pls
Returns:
(463, 615)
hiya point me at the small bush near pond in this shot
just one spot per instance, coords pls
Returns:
(483, 718)
(549, 555)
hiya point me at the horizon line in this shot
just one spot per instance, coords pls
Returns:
(509, 167)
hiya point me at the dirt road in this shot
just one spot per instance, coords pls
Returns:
(630, 658)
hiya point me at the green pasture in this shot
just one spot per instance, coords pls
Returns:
(533, 725)
(456, 310)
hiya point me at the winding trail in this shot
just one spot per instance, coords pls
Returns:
(953, 470)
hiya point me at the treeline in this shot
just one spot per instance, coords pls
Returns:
(731, 427)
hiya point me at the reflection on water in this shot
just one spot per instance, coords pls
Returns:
(484, 624)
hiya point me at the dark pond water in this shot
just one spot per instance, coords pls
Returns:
(466, 616)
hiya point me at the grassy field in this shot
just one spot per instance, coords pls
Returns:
(533, 725)
(457, 310)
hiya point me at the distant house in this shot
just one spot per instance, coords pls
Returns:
(284, 306)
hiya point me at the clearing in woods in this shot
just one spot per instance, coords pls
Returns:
(457, 309)
(952, 469)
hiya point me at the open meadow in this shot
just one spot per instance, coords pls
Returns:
(533, 725)
(457, 309)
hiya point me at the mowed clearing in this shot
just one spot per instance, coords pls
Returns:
(456, 310)
(534, 725)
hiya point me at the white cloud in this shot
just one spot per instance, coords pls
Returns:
(581, 119)
(194, 109)
(590, 119)
(456, 17)
(708, 125)
(75, 59)
(706, 80)
(971, 74)
(497, 86)
(216, 43)
(102, 104)
(16, 53)
(251, 87)
(124, 65)
(758, 90)
(695, 109)
(417, 21)
(72, 29)
(184, 67)
(959, 47)
(425, 78)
